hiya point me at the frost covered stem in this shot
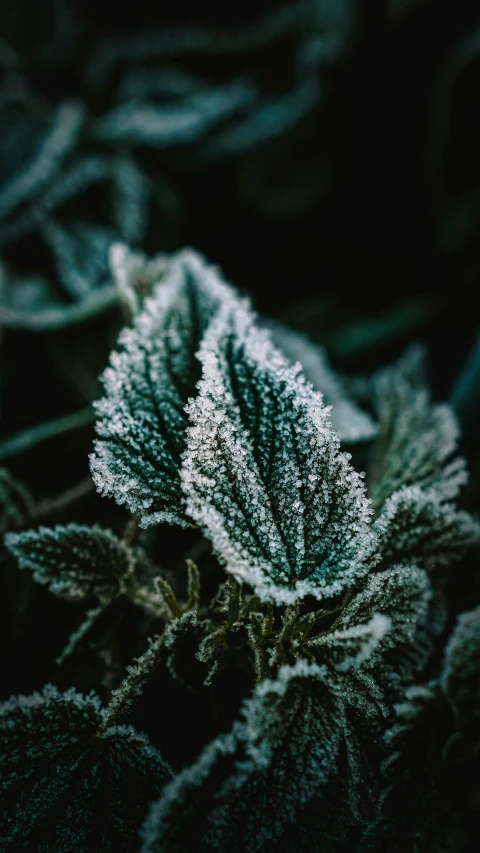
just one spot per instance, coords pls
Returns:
(124, 696)
(234, 595)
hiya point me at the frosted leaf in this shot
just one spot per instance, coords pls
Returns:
(433, 761)
(123, 697)
(75, 178)
(16, 503)
(460, 680)
(329, 20)
(80, 255)
(249, 785)
(68, 784)
(416, 438)
(272, 117)
(351, 423)
(418, 526)
(170, 125)
(130, 198)
(404, 595)
(182, 639)
(352, 646)
(141, 419)
(75, 561)
(43, 166)
(135, 275)
(263, 472)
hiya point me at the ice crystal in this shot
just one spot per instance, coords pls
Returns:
(74, 561)
(80, 254)
(434, 755)
(351, 423)
(352, 646)
(248, 785)
(68, 782)
(141, 420)
(123, 697)
(403, 594)
(419, 526)
(135, 275)
(416, 438)
(263, 472)
(267, 780)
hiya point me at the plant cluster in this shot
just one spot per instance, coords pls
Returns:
(247, 619)
(323, 594)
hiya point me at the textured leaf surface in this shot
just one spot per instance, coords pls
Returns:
(460, 680)
(417, 439)
(141, 419)
(351, 424)
(263, 471)
(75, 561)
(418, 526)
(247, 786)
(352, 646)
(67, 784)
(431, 803)
(404, 595)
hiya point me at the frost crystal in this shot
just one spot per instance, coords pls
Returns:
(434, 756)
(352, 646)
(348, 420)
(404, 595)
(419, 526)
(135, 275)
(416, 439)
(141, 419)
(75, 561)
(67, 784)
(263, 472)
(248, 785)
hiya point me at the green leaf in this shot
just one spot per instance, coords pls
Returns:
(432, 769)
(75, 561)
(141, 419)
(460, 680)
(404, 595)
(249, 785)
(135, 275)
(182, 638)
(352, 646)
(68, 783)
(351, 423)
(263, 472)
(417, 439)
(418, 526)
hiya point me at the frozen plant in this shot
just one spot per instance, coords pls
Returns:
(327, 588)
